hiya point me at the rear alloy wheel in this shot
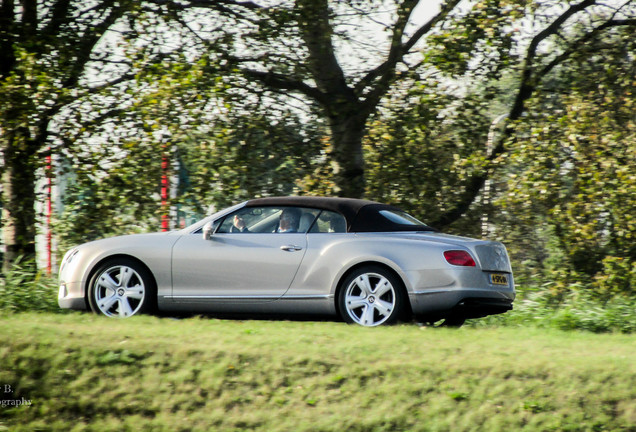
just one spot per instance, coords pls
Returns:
(122, 288)
(371, 296)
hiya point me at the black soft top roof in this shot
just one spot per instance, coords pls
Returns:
(361, 215)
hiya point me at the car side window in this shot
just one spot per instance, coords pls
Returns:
(250, 220)
(330, 222)
(269, 220)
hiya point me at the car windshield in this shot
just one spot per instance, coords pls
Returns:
(400, 217)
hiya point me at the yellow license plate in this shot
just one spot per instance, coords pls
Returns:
(498, 279)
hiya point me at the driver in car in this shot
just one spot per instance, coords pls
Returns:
(238, 225)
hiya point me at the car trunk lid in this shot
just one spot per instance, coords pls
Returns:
(492, 255)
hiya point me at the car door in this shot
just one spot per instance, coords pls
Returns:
(257, 264)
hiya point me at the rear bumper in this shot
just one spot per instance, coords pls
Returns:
(467, 303)
(481, 307)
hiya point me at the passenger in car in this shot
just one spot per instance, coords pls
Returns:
(289, 220)
(338, 225)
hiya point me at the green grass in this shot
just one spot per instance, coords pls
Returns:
(84, 372)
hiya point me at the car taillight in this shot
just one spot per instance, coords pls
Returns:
(459, 258)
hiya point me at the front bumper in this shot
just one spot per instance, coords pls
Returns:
(69, 297)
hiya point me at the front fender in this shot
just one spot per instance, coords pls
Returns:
(153, 250)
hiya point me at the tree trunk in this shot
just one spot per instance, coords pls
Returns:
(347, 132)
(347, 116)
(18, 199)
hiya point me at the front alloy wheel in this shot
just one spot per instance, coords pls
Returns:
(371, 296)
(121, 288)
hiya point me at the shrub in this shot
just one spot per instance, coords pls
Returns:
(24, 288)
(617, 278)
(576, 311)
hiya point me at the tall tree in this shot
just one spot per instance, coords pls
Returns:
(303, 48)
(295, 55)
(291, 48)
(558, 31)
(46, 49)
(571, 190)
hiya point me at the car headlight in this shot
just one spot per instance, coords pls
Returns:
(68, 258)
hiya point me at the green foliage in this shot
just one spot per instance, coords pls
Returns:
(24, 288)
(577, 310)
(252, 156)
(220, 149)
(567, 212)
(45, 52)
(618, 277)
(233, 161)
(421, 154)
(480, 42)
(113, 204)
(83, 373)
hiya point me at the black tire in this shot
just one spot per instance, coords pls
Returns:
(122, 287)
(371, 296)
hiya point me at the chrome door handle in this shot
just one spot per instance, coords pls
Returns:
(290, 248)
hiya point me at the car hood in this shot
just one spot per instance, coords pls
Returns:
(125, 240)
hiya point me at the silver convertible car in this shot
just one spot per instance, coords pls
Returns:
(365, 262)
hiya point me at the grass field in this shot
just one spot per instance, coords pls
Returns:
(75, 372)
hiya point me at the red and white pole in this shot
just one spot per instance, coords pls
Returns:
(165, 219)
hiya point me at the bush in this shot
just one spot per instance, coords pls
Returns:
(575, 312)
(617, 278)
(24, 288)
(619, 315)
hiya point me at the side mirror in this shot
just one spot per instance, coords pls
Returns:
(208, 231)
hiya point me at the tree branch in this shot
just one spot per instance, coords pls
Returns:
(215, 4)
(223, 6)
(29, 18)
(529, 81)
(89, 41)
(398, 50)
(316, 31)
(443, 13)
(527, 78)
(589, 36)
(282, 82)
